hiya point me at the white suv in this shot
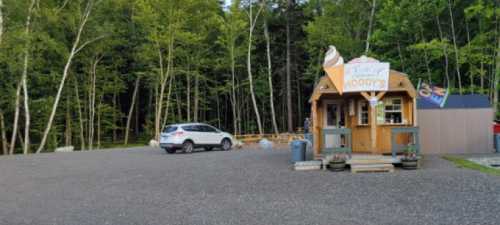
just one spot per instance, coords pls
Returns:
(188, 136)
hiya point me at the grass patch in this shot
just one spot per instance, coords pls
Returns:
(467, 164)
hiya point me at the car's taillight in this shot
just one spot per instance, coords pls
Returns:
(178, 133)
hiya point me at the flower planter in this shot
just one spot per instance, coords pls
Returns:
(409, 164)
(337, 165)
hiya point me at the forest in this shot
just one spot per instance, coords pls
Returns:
(98, 73)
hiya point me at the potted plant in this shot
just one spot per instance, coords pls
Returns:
(337, 162)
(410, 159)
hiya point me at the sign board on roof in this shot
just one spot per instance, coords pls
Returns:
(366, 77)
(433, 94)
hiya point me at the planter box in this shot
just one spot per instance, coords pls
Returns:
(307, 165)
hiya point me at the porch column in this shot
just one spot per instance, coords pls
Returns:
(315, 128)
(415, 119)
(371, 98)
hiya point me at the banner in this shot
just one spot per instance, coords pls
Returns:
(366, 77)
(433, 94)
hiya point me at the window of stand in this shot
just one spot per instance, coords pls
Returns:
(363, 112)
(393, 110)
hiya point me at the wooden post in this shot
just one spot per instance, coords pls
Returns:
(373, 123)
(373, 113)
(415, 120)
(315, 128)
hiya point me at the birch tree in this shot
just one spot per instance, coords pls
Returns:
(75, 49)
(252, 21)
(370, 25)
(25, 77)
(131, 110)
(457, 63)
(232, 28)
(269, 77)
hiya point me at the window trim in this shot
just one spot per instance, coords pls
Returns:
(360, 112)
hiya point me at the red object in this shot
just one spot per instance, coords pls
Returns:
(496, 128)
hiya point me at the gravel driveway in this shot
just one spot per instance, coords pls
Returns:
(146, 186)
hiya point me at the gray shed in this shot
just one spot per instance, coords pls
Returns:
(463, 125)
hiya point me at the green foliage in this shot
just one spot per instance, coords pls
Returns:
(201, 40)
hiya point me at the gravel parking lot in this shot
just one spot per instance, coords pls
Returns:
(146, 186)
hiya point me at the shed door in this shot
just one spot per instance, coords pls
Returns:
(333, 118)
(334, 115)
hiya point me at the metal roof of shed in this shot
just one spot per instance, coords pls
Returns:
(458, 102)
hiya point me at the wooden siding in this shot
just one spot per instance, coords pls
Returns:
(449, 131)
(361, 136)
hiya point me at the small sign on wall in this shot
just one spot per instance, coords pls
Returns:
(380, 113)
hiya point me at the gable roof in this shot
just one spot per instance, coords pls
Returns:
(397, 82)
(458, 102)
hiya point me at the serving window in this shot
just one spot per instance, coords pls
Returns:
(393, 110)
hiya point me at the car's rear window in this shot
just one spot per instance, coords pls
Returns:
(192, 128)
(169, 129)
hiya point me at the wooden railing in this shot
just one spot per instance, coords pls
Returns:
(279, 138)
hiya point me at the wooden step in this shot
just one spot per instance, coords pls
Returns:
(369, 161)
(360, 168)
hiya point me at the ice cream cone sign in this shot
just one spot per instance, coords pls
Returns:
(358, 75)
(334, 67)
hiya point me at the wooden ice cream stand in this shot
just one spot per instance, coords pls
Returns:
(362, 107)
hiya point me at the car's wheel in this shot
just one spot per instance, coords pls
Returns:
(170, 150)
(226, 144)
(187, 147)
(208, 148)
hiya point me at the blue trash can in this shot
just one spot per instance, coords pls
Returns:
(497, 142)
(298, 148)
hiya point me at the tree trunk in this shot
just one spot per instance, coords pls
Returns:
(24, 78)
(288, 69)
(80, 119)
(426, 57)
(131, 110)
(92, 95)
(68, 130)
(5, 145)
(188, 94)
(196, 96)
(249, 65)
(113, 114)
(270, 78)
(165, 119)
(178, 105)
(137, 112)
(74, 50)
(370, 26)
(1, 21)
(163, 84)
(16, 120)
(497, 74)
(233, 89)
(445, 52)
(457, 63)
(401, 57)
(99, 106)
